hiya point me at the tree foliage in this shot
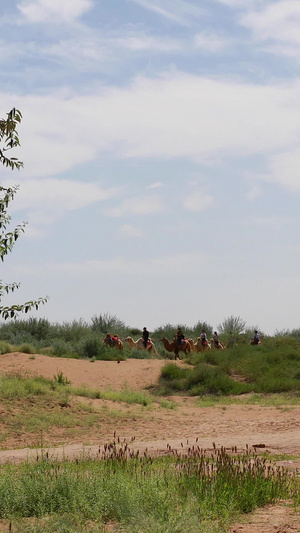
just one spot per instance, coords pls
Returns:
(106, 323)
(233, 325)
(9, 139)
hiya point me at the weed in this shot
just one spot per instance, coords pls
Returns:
(178, 492)
(61, 379)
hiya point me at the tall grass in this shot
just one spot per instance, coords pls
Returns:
(177, 493)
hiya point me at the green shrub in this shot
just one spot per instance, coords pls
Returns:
(138, 354)
(27, 348)
(172, 371)
(107, 323)
(61, 379)
(5, 347)
(91, 347)
(61, 348)
(207, 380)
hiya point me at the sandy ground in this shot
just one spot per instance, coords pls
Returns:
(271, 429)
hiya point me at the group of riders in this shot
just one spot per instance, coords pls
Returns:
(216, 341)
(203, 339)
(113, 340)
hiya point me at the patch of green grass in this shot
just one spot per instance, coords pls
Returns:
(43, 420)
(139, 494)
(61, 379)
(287, 400)
(35, 405)
(125, 395)
(5, 347)
(18, 387)
(279, 457)
(167, 404)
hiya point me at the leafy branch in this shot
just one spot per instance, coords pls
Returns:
(9, 139)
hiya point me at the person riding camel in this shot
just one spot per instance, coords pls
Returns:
(216, 340)
(179, 336)
(255, 339)
(145, 337)
(203, 338)
(115, 339)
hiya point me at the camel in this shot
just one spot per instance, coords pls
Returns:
(192, 344)
(113, 341)
(139, 345)
(213, 345)
(198, 346)
(175, 347)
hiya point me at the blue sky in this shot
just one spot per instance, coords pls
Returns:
(161, 147)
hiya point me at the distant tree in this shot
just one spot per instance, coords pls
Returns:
(231, 328)
(170, 330)
(200, 326)
(249, 331)
(135, 331)
(107, 323)
(294, 333)
(9, 139)
(283, 332)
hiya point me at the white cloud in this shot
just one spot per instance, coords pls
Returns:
(178, 11)
(77, 51)
(244, 4)
(94, 52)
(131, 231)
(9, 51)
(174, 116)
(143, 42)
(44, 201)
(278, 21)
(211, 42)
(58, 194)
(253, 193)
(155, 185)
(273, 222)
(198, 202)
(139, 205)
(172, 265)
(54, 11)
(284, 169)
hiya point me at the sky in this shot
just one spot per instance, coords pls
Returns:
(160, 141)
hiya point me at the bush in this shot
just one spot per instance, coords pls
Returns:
(200, 326)
(206, 380)
(107, 323)
(91, 347)
(171, 371)
(5, 348)
(60, 348)
(27, 348)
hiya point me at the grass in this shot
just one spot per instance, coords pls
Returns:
(176, 493)
(35, 405)
(125, 395)
(268, 369)
(18, 387)
(284, 400)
